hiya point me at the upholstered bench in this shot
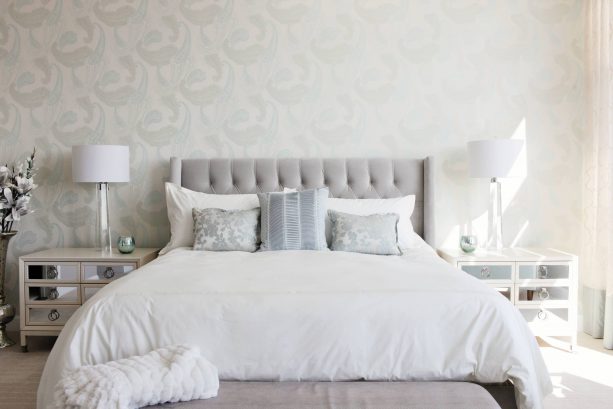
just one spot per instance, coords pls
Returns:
(346, 395)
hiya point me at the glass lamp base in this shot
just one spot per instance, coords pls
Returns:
(494, 240)
(103, 229)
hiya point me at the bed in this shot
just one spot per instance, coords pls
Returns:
(311, 315)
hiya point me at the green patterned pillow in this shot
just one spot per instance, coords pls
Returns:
(373, 234)
(226, 230)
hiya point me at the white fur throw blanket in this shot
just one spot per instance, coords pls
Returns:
(172, 374)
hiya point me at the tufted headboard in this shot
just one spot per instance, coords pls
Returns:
(346, 178)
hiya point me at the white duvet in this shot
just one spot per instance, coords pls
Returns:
(306, 315)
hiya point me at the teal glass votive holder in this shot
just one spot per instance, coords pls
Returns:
(468, 243)
(126, 244)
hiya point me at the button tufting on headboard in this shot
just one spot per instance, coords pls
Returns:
(346, 178)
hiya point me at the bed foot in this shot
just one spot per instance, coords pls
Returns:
(24, 348)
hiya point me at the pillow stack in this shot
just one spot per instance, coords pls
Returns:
(181, 202)
(289, 220)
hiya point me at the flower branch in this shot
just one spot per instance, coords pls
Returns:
(16, 185)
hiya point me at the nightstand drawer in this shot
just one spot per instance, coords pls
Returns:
(508, 291)
(542, 294)
(546, 317)
(60, 272)
(105, 272)
(488, 270)
(88, 290)
(43, 315)
(543, 271)
(52, 294)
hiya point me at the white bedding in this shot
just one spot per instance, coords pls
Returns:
(307, 315)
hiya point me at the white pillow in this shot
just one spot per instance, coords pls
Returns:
(181, 201)
(403, 206)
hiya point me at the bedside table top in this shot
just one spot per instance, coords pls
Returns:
(87, 254)
(508, 254)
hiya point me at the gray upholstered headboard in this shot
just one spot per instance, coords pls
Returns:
(346, 178)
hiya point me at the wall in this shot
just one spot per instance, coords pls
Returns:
(292, 78)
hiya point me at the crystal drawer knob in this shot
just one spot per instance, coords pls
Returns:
(543, 273)
(52, 273)
(542, 315)
(109, 273)
(54, 315)
(485, 272)
(544, 294)
(54, 294)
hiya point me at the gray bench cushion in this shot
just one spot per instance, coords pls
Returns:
(346, 395)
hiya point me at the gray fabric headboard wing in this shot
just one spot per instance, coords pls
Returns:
(358, 178)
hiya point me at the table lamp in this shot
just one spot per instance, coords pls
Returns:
(101, 164)
(494, 159)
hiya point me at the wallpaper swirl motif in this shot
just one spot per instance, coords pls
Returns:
(290, 78)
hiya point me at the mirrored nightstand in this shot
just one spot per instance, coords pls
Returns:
(541, 283)
(55, 282)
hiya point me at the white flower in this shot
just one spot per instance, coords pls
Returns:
(18, 207)
(7, 198)
(24, 185)
(4, 176)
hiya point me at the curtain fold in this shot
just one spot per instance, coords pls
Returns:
(596, 269)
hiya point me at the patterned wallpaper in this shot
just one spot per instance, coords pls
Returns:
(291, 78)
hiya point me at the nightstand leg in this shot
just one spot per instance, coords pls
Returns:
(573, 343)
(24, 342)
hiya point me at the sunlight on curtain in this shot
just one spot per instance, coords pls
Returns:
(597, 253)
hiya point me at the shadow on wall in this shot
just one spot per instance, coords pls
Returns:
(473, 218)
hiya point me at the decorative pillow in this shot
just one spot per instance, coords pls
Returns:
(373, 234)
(403, 206)
(294, 221)
(226, 230)
(181, 201)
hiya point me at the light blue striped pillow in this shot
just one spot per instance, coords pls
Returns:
(294, 221)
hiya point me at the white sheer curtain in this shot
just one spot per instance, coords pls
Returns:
(597, 253)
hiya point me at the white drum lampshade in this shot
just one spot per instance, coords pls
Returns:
(496, 158)
(493, 159)
(101, 164)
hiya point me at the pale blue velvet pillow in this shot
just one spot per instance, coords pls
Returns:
(294, 221)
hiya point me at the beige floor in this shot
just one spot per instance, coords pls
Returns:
(583, 379)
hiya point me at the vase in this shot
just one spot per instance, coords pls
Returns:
(7, 311)
(126, 244)
(468, 243)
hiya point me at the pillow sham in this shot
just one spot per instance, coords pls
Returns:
(180, 202)
(402, 206)
(372, 234)
(226, 230)
(293, 221)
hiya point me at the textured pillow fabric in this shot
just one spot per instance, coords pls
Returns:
(403, 206)
(294, 221)
(181, 201)
(226, 230)
(373, 234)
